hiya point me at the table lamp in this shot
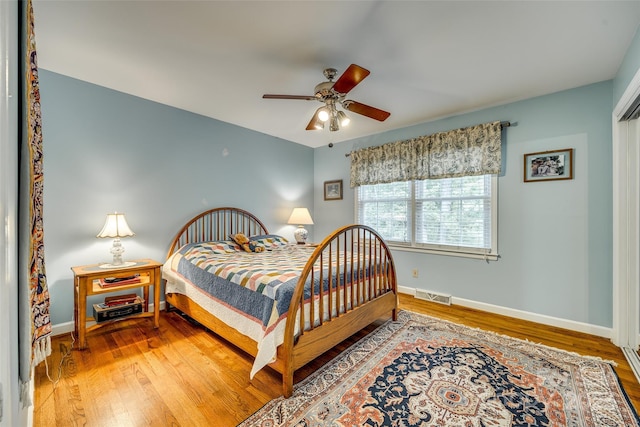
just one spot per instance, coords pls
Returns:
(302, 217)
(116, 227)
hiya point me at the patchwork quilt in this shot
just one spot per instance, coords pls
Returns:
(249, 291)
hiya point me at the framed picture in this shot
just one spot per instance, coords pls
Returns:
(548, 165)
(333, 190)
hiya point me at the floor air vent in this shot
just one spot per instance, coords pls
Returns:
(433, 296)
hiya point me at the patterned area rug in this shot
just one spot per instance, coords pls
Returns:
(421, 371)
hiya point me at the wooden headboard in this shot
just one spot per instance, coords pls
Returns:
(217, 224)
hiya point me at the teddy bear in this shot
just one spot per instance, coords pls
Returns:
(245, 243)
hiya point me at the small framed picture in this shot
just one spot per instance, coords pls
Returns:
(333, 190)
(548, 165)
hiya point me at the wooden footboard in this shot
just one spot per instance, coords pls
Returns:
(354, 285)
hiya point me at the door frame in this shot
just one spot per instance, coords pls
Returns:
(10, 411)
(626, 227)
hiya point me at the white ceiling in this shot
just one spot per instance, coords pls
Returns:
(428, 59)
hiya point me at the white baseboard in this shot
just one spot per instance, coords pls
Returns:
(634, 361)
(67, 327)
(586, 328)
(601, 331)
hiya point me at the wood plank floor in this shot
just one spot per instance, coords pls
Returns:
(182, 375)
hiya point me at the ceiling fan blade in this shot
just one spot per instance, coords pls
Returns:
(350, 78)
(366, 110)
(303, 97)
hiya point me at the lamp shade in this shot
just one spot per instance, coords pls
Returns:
(300, 216)
(115, 226)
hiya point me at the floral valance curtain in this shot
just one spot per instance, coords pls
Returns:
(475, 150)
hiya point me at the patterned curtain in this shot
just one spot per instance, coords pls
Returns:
(40, 322)
(475, 150)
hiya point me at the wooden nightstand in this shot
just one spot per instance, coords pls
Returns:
(86, 282)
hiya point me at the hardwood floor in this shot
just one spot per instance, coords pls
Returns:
(182, 375)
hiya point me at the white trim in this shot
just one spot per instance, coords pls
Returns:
(10, 412)
(626, 222)
(487, 257)
(67, 327)
(630, 94)
(407, 290)
(620, 279)
(600, 331)
(61, 328)
(572, 325)
(634, 361)
(487, 254)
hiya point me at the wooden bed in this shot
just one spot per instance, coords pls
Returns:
(343, 310)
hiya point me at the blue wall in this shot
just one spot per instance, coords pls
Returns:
(554, 238)
(108, 151)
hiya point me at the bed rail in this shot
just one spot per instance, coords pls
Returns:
(217, 224)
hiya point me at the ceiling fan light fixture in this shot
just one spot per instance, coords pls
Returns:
(343, 119)
(323, 114)
(332, 94)
(334, 124)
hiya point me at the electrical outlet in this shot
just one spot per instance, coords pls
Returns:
(414, 273)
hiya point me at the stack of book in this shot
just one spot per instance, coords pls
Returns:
(119, 300)
(109, 282)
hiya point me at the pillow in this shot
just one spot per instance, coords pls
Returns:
(269, 241)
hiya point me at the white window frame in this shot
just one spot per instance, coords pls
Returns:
(488, 255)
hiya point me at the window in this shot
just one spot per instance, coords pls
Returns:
(457, 216)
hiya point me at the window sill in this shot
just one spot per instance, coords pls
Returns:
(460, 254)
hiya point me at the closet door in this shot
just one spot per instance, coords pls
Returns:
(633, 310)
(626, 231)
(633, 290)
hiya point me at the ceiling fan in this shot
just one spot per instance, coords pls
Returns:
(332, 94)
